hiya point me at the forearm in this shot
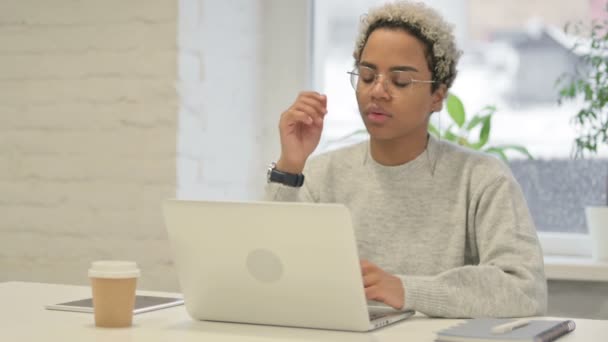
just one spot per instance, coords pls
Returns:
(478, 291)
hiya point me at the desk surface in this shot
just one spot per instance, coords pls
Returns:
(23, 318)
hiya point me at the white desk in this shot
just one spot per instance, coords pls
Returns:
(23, 318)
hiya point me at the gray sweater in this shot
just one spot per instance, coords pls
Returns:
(452, 224)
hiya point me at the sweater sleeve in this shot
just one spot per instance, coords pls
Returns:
(282, 193)
(507, 281)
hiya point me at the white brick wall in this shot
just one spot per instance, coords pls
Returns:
(89, 137)
(88, 119)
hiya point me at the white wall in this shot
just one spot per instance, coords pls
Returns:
(241, 64)
(92, 132)
(87, 141)
(219, 77)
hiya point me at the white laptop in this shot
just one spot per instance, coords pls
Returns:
(274, 263)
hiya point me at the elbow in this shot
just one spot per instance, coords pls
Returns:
(529, 305)
(541, 300)
(536, 300)
(529, 298)
(533, 290)
(536, 307)
(540, 295)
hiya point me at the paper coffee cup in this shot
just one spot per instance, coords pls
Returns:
(113, 284)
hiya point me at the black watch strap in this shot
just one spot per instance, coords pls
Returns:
(285, 178)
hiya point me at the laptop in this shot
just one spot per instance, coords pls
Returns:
(272, 263)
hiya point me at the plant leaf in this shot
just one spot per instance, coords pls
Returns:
(517, 148)
(448, 135)
(487, 110)
(497, 151)
(476, 120)
(589, 82)
(456, 109)
(484, 134)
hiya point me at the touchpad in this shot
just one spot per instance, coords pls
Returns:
(264, 265)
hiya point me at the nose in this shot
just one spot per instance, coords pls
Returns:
(379, 88)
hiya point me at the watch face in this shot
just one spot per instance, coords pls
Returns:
(269, 171)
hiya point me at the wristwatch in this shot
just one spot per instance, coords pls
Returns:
(290, 179)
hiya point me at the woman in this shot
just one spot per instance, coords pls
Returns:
(440, 229)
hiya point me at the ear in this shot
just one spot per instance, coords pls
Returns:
(437, 98)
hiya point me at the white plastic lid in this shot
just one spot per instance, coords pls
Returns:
(113, 269)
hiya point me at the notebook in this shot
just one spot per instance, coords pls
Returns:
(481, 330)
(285, 264)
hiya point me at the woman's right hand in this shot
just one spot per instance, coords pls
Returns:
(300, 129)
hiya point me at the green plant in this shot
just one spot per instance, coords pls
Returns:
(460, 131)
(589, 82)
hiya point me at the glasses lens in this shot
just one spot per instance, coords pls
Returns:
(367, 75)
(362, 78)
(399, 80)
(354, 79)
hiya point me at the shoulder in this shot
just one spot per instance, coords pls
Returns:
(482, 169)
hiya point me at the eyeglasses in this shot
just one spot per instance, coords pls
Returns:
(395, 83)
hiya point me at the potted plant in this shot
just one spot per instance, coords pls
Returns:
(590, 84)
(461, 130)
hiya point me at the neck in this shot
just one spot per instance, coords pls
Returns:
(398, 151)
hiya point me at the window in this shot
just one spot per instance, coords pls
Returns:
(513, 53)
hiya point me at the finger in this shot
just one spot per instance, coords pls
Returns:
(313, 95)
(311, 110)
(377, 294)
(317, 113)
(373, 293)
(370, 279)
(315, 100)
(296, 116)
(316, 103)
(367, 266)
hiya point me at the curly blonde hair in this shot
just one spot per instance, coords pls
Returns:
(425, 24)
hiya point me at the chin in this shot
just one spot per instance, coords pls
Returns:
(385, 134)
(377, 131)
(381, 134)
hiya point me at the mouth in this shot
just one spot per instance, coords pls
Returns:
(377, 115)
